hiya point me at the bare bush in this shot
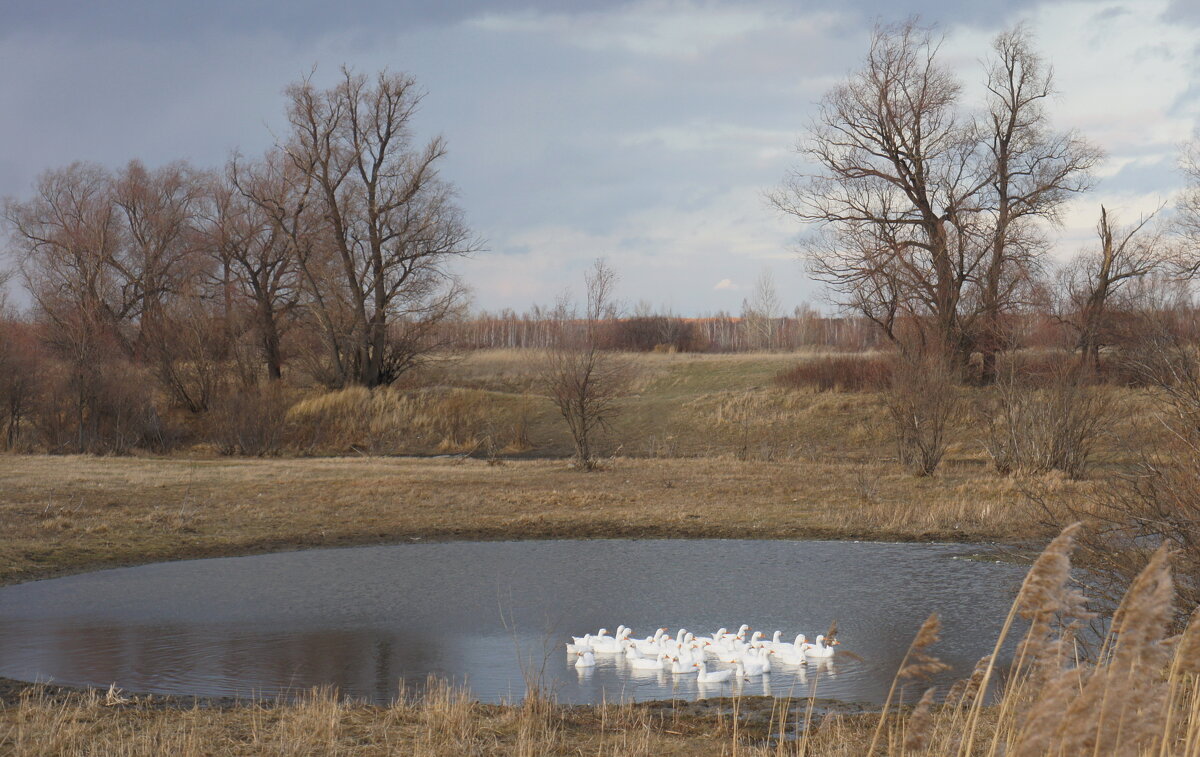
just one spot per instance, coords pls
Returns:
(1156, 500)
(99, 408)
(584, 381)
(843, 373)
(922, 398)
(20, 365)
(249, 421)
(1037, 426)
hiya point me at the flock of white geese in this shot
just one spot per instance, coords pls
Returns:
(686, 654)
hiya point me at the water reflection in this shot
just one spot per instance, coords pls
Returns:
(490, 614)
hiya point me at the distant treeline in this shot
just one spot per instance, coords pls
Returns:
(722, 332)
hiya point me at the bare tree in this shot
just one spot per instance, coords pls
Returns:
(761, 312)
(68, 239)
(929, 222)
(584, 381)
(164, 271)
(1033, 172)
(1094, 283)
(1188, 212)
(255, 253)
(391, 226)
(18, 370)
(896, 189)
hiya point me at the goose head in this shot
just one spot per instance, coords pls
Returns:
(601, 632)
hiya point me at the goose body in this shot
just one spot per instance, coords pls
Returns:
(585, 660)
(792, 654)
(820, 649)
(756, 662)
(716, 676)
(647, 663)
(580, 644)
(610, 644)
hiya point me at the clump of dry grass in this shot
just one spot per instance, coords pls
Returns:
(440, 721)
(390, 421)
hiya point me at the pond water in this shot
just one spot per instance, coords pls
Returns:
(487, 613)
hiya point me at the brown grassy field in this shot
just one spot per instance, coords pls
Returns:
(61, 514)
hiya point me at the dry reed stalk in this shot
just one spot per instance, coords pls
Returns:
(1185, 662)
(918, 724)
(1043, 593)
(917, 663)
(1120, 709)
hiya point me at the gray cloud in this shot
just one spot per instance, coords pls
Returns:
(644, 131)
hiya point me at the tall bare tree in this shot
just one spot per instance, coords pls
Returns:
(68, 239)
(1096, 281)
(761, 313)
(1033, 172)
(896, 189)
(584, 381)
(160, 262)
(931, 221)
(256, 255)
(391, 224)
(1188, 212)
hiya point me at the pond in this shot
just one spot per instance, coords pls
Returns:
(486, 614)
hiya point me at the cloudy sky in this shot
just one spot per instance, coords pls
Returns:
(644, 132)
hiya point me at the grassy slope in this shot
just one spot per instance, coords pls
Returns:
(709, 447)
(71, 513)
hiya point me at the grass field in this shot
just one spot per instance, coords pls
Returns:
(61, 514)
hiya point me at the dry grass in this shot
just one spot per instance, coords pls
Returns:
(442, 723)
(71, 513)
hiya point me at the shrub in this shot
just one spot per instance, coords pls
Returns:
(249, 421)
(922, 397)
(1034, 428)
(846, 373)
(101, 408)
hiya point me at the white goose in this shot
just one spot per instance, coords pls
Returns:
(679, 667)
(792, 654)
(820, 649)
(756, 662)
(610, 644)
(586, 660)
(580, 644)
(651, 645)
(717, 676)
(647, 663)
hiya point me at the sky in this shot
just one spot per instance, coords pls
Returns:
(645, 132)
